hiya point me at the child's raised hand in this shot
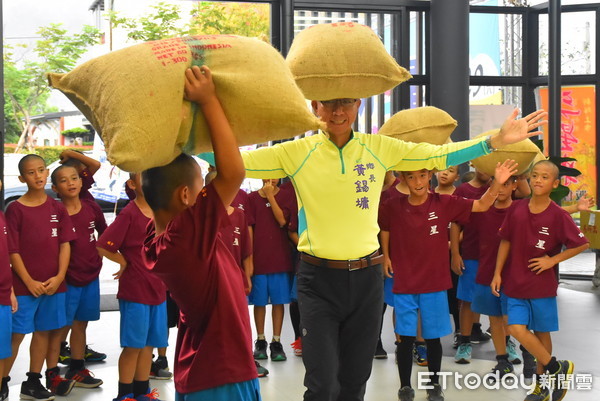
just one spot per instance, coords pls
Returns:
(268, 188)
(505, 170)
(585, 203)
(64, 156)
(199, 86)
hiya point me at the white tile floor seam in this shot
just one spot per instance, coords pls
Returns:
(578, 340)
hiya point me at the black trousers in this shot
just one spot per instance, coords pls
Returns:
(340, 314)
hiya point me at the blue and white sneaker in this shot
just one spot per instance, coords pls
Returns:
(511, 350)
(463, 353)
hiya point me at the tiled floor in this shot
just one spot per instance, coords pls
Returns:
(578, 339)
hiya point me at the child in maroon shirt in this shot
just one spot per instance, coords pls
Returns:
(39, 233)
(213, 357)
(142, 296)
(533, 234)
(83, 288)
(86, 168)
(271, 282)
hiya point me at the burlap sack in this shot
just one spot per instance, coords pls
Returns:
(422, 124)
(134, 97)
(342, 60)
(522, 152)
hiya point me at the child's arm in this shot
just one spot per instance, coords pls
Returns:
(503, 172)
(585, 203)
(384, 238)
(293, 236)
(523, 189)
(36, 288)
(456, 262)
(92, 165)
(13, 301)
(546, 262)
(116, 257)
(503, 250)
(64, 255)
(249, 270)
(277, 212)
(200, 88)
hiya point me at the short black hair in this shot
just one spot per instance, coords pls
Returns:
(26, 158)
(54, 175)
(73, 163)
(159, 183)
(553, 167)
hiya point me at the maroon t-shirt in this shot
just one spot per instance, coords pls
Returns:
(126, 235)
(271, 249)
(5, 270)
(237, 236)
(35, 233)
(532, 236)
(241, 200)
(214, 343)
(469, 246)
(87, 180)
(391, 192)
(417, 236)
(85, 263)
(486, 226)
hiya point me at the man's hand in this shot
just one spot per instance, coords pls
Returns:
(585, 203)
(505, 170)
(514, 130)
(538, 265)
(36, 288)
(199, 86)
(118, 274)
(388, 271)
(496, 284)
(457, 265)
(52, 284)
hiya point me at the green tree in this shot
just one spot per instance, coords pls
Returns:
(26, 88)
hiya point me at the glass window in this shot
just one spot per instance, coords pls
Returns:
(417, 43)
(486, 95)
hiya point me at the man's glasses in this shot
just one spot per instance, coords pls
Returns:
(335, 103)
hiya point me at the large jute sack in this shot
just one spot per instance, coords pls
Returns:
(134, 97)
(523, 152)
(342, 60)
(422, 124)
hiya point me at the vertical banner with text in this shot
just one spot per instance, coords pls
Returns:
(577, 136)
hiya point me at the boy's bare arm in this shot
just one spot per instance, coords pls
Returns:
(200, 88)
(36, 288)
(269, 189)
(384, 238)
(249, 270)
(14, 304)
(116, 257)
(92, 165)
(64, 255)
(523, 189)
(456, 263)
(503, 172)
(585, 203)
(293, 236)
(503, 250)
(546, 262)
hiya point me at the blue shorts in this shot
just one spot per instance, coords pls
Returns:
(143, 325)
(538, 314)
(5, 331)
(243, 391)
(83, 303)
(435, 314)
(294, 289)
(46, 312)
(271, 289)
(388, 295)
(466, 282)
(486, 303)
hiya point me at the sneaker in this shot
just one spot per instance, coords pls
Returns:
(406, 394)
(513, 356)
(65, 353)
(151, 396)
(529, 366)
(4, 389)
(127, 397)
(261, 370)
(478, 336)
(562, 380)
(502, 368)
(435, 394)
(277, 353)
(158, 373)
(539, 393)
(456, 341)
(420, 354)
(260, 349)
(297, 346)
(463, 353)
(161, 362)
(58, 384)
(83, 378)
(380, 352)
(35, 391)
(93, 356)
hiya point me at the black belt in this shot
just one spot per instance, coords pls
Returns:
(351, 264)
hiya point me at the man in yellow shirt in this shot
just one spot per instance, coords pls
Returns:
(338, 176)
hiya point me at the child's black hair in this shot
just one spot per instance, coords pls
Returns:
(26, 158)
(553, 166)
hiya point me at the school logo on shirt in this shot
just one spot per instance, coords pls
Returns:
(54, 232)
(53, 218)
(541, 244)
(432, 216)
(433, 230)
(544, 231)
